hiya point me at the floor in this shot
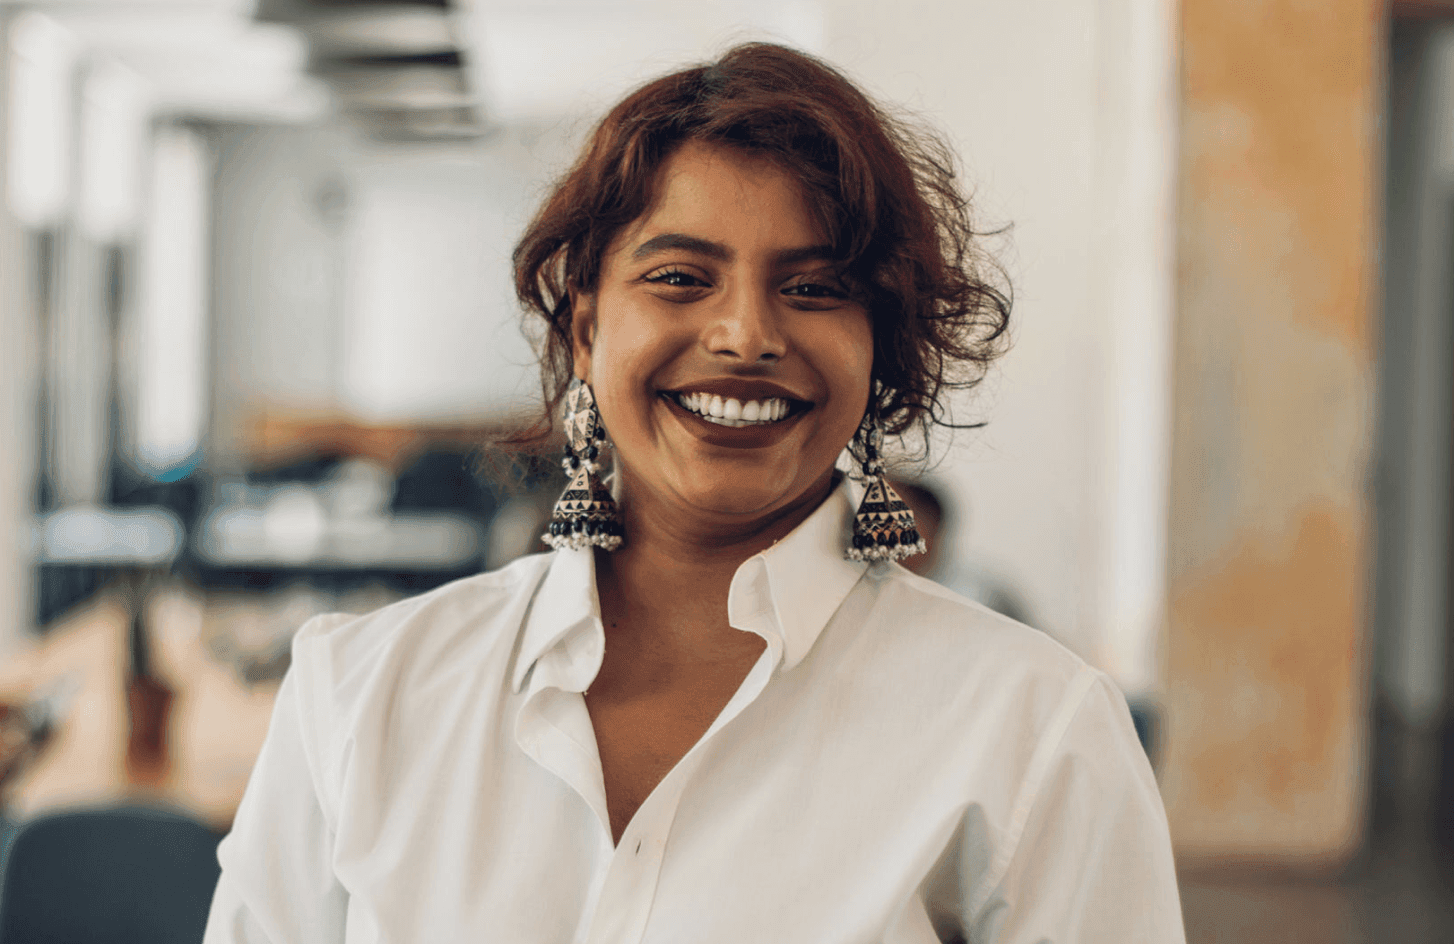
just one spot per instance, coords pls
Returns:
(1398, 890)
(1401, 903)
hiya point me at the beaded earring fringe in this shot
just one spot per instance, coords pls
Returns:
(585, 515)
(883, 528)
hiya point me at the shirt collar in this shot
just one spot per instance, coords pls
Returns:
(790, 591)
(565, 601)
(787, 593)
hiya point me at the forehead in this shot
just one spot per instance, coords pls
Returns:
(726, 195)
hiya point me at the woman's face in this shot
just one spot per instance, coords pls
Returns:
(728, 360)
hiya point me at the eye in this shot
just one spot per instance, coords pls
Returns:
(675, 278)
(814, 290)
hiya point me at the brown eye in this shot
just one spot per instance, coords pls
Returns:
(675, 278)
(815, 290)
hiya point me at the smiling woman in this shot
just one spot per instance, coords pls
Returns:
(718, 710)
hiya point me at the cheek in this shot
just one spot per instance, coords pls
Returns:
(613, 342)
(613, 375)
(850, 360)
(630, 347)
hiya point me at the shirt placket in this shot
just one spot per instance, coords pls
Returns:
(623, 908)
(554, 728)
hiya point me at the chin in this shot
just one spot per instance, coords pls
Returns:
(741, 494)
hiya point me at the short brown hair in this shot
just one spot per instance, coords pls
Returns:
(885, 194)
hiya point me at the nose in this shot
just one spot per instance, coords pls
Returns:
(747, 328)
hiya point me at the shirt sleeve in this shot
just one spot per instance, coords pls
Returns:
(277, 884)
(1089, 850)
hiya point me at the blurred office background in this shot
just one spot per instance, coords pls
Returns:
(255, 317)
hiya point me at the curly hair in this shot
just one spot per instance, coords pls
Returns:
(885, 194)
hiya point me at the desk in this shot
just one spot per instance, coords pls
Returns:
(307, 539)
(293, 539)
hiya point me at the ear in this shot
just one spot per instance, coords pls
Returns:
(583, 331)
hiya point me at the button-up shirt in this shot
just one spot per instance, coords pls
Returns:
(900, 766)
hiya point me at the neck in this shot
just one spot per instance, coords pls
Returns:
(672, 577)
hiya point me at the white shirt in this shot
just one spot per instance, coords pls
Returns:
(900, 766)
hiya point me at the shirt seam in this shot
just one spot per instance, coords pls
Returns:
(320, 738)
(1039, 767)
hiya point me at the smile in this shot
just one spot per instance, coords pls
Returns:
(729, 411)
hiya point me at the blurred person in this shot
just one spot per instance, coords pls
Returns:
(718, 709)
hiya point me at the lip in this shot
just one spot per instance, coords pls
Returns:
(734, 437)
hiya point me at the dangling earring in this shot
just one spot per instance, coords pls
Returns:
(883, 528)
(585, 514)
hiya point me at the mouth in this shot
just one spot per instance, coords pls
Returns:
(736, 413)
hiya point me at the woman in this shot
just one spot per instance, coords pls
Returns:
(718, 711)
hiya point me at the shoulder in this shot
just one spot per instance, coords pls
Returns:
(918, 624)
(468, 624)
(1000, 696)
(958, 672)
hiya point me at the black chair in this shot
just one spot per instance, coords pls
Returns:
(127, 875)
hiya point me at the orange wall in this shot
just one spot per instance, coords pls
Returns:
(1269, 544)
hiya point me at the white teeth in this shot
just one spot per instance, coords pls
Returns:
(734, 412)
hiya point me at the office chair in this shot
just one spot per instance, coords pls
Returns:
(127, 875)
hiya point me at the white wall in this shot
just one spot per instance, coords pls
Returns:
(371, 279)
(277, 271)
(1062, 112)
(431, 327)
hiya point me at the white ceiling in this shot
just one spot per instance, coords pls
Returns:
(201, 57)
(544, 59)
(528, 60)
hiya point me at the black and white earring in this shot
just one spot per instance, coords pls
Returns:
(585, 514)
(883, 528)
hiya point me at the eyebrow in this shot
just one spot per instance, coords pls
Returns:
(714, 250)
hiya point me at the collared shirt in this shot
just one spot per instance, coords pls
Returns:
(900, 766)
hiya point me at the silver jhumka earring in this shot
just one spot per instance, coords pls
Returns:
(883, 528)
(585, 514)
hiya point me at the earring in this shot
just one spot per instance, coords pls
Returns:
(585, 514)
(883, 528)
